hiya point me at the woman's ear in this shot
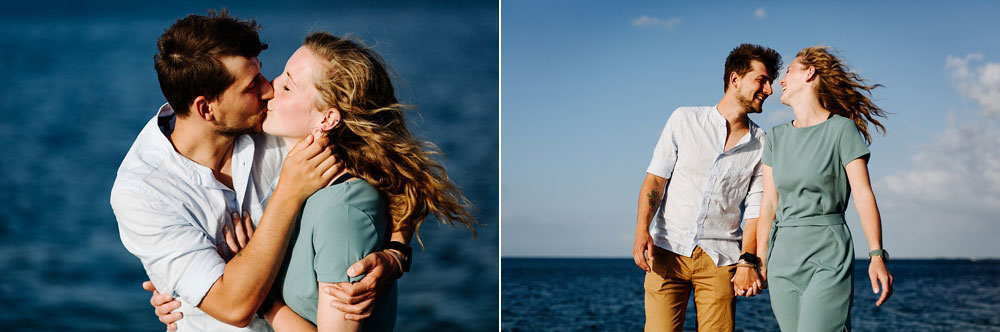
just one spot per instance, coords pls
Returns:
(330, 120)
(810, 73)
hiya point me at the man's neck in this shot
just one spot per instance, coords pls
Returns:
(735, 115)
(205, 147)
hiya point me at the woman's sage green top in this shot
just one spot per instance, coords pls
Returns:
(808, 174)
(339, 225)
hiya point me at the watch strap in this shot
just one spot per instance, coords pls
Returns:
(750, 258)
(879, 252)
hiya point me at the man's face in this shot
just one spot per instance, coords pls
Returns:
(754, 87)
(241, 108)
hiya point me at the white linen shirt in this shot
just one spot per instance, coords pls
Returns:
(171, 212)
(708, 188)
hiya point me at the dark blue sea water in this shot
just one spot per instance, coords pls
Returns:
(78, 84)
(607, 295)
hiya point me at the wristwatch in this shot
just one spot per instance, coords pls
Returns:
(407, 253)
(750, 259)
(880, 252)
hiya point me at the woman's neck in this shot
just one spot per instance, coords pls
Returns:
(809, 113)
(291, 141)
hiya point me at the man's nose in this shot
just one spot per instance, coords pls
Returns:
(767, 88)
(268, 90)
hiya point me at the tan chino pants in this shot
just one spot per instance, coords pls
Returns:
(669, 286)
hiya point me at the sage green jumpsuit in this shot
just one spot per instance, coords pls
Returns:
(810, 258)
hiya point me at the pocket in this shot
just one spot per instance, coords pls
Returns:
(667, 264)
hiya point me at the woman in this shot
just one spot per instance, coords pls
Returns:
(340, 88)
(810, 168)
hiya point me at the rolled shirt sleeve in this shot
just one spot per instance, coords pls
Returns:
(665, 153)
(179, 258)
(755, 194)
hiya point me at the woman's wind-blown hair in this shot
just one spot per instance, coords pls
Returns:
(373, 140)
(842, 92)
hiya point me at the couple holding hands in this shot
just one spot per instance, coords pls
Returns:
(713, 165)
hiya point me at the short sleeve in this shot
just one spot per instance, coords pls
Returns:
(342, 236)
(180, 259)
(766, 154)
(852, 144)
(665, 153)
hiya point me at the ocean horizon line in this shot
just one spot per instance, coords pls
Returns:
(974, 259)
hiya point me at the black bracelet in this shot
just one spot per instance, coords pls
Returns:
(405, 250)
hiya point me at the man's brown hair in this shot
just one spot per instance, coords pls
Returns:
(739, 60)
(188, 64)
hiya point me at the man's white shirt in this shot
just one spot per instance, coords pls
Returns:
(708, 189)
(171, 212)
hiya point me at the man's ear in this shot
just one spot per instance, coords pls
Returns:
(202, 108)
(330, 120)
(734, 80)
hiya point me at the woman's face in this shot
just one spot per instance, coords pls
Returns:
(291, 113)
(793, 82)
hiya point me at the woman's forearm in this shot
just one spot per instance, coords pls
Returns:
(768, 206)
(864, 201)
(871, 222)
(283, 319)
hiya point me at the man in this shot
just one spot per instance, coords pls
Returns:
(200, 164)
(705, 174)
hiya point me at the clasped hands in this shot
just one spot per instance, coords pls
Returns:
(748, 280)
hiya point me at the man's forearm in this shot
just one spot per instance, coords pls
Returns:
(764, 228)
(750, 236)
(650, 195)
(247, 278)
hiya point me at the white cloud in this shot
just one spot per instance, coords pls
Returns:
(951, 192)
(655, 22)
(981, 84)
(960, 170)
(760, 13)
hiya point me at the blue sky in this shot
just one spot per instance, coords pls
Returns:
(587, 86)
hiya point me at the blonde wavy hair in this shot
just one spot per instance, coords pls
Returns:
(841, 91)
(373, 140)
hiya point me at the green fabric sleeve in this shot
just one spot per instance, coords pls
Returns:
(765, 157)
(852, 144)
(342, 236)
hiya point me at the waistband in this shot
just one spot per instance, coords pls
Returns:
(832, 219)
(821, 220)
